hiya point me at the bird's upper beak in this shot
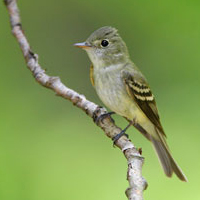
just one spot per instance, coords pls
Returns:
(83, 45)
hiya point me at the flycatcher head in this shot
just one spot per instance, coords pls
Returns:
(105, 47)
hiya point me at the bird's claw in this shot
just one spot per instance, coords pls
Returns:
(103, 116)
(116, 137)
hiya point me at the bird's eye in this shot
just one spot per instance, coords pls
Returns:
(104, 43)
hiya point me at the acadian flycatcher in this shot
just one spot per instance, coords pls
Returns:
(124, 89)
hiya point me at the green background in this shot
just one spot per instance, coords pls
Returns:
(51, 150)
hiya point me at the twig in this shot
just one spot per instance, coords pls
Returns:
(137, 183)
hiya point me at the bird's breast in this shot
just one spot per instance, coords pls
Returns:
(111, 90)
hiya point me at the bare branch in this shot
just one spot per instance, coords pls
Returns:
(137, 183)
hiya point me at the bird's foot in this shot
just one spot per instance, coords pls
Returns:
(103, 116)
(116, 137)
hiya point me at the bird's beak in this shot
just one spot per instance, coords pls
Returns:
(83, 45)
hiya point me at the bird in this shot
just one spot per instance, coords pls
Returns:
(124, 90)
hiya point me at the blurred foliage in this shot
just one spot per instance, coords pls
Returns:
(46, 151)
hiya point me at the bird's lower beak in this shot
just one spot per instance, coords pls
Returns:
(83, 45)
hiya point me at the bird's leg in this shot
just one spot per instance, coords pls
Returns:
(115, 138)
(103, 116)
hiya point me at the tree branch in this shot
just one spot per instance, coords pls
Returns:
(137, 183)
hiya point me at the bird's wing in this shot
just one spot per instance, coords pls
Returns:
(141, 94)
(139, 91)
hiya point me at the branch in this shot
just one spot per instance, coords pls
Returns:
(137, 183)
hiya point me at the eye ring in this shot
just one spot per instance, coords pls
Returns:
(104, 43)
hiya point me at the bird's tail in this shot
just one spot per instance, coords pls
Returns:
(168, 163)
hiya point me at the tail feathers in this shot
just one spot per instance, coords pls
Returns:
(168, 163)
(177, 170)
